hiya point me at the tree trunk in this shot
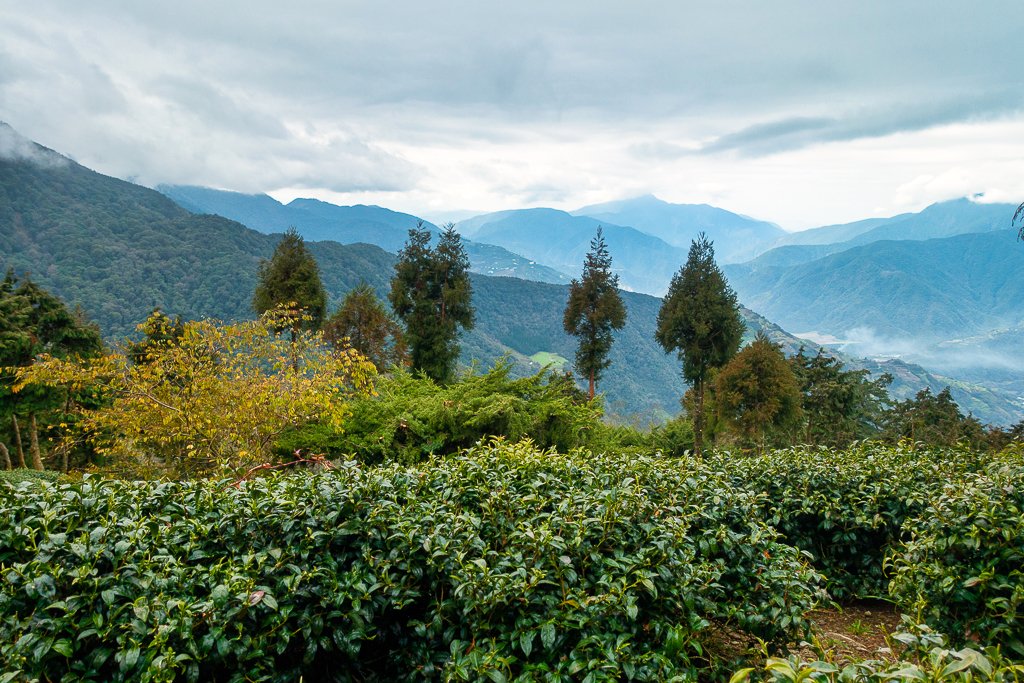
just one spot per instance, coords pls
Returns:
(591, 393)
(698, 420)
(33, 435)
(5, 457)
(19, 450)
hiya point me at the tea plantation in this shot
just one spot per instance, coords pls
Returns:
(506, 563)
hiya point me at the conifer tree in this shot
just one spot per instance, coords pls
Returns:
(593, 310)
(432, 295)
(700, 320)
(292, 276)
(363, 323)
(756, 393)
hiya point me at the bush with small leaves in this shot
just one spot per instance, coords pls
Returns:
(504, 563)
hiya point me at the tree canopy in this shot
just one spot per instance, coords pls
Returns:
(432, 295)
(292, 276)
(593, 311)
(700, 320)
(757, 394)
(363, 323)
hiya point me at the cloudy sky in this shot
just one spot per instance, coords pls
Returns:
(803, 113)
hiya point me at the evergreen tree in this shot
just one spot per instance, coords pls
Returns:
(594, 309)
(292, 276)
(756, 392)
(363, 323)
(933, 419)
(700, 320)
(839, 406)
(431, 294)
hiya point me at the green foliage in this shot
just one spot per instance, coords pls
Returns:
(839, 406)
(292, 277)
(962, 566)
(34, 322)
(431, 293)
(363, 324)
(594, 309)
(19, 475)
(756, 393)
(503, 564)
(699, 319)
(215, 398)
(934, 419)
(412, 417)
(926, 657)
(847, 508)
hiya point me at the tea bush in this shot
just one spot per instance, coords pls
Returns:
(926, 657)
(962, 568)
(846, 507)
(505, 563)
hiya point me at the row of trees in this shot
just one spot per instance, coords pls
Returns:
(193, 396)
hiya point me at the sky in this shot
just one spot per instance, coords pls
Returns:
(800, 113)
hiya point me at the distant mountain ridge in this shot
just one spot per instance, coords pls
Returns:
(316, 220)
(737, 238)
(644, 263)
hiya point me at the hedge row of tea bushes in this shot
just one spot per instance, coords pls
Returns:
(962, 567)
(847, 507)
(941, 531)
(501, 564)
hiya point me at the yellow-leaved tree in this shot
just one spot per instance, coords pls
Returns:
(206, 397)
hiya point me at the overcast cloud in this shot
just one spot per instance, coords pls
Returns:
(803, 113)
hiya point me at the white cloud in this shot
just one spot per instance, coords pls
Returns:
(807, 113)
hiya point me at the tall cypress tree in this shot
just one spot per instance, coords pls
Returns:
(593, 310)
(292, 276)
(432, 295)
(700, 320)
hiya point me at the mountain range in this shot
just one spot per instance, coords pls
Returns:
(118, 250)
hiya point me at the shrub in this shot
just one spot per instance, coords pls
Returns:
(926, 657)
(413, 418)
(19, 475)
(506, 562)
(847, 508)
(962, 567)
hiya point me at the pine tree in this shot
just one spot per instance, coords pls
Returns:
(593, 311)
(292, 276)
(363, 323)
(756, 393)
(700, 320)
(432, 295)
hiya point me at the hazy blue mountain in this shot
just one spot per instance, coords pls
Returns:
(317, 221)
(944, 219)
(737, 238)
(560, 240)
(833, 234)
(924, 290)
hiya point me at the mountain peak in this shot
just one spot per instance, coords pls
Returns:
(16, 147)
